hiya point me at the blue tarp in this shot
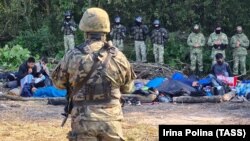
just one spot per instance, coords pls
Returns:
(157, 81)
(50, 92)
(180, 77)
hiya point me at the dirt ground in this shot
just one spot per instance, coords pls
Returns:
(37, 121)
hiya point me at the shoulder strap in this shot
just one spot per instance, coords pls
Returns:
(111, 52)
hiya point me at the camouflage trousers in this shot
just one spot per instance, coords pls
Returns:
(214, 52)
(118, 44)
(239, 60)
(140, 50)
(69, 42)
(158, 53)
(196, 57)
(96, 131)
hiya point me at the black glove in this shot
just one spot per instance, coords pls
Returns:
(223, 46)
(216, 46)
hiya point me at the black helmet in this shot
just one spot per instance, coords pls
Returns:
(67, 13)
(156, 22)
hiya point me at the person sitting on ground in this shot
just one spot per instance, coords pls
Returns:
(42, 67)
(27, 71)
(221, 68)
(43, 72)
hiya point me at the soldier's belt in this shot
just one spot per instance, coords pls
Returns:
(96, 102)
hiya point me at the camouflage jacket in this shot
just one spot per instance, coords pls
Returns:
(68, 28)
(244, 43)
(222, 37)
(118, 32)
(196, 39)
(159, 36)
(76, 65)
(139, 33)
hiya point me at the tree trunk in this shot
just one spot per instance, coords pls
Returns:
(205, 99)
(90, 3)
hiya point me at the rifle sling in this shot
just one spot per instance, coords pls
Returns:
(93, 68)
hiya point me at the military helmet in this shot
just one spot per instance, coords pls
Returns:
(67, 13)
(95, 20)
(138, 19)
(156, 22)
(196, 27)
(117, 19)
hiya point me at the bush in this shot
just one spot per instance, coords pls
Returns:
(12, 57)
(40, 42)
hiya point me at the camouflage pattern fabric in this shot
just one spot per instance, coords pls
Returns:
(69, 28)
(118, 44)
(196, 57)
(95, 20)
(159, 53)
(196, 41)
(118, 32)
(69, 42)
(93, 120)
(159, 36)
(96, 131)
(239, 52)
(139, 33)
(213, 38)
(239, 60)
(140, 50)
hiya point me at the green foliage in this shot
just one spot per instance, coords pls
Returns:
(59, 55)
(39, 42)
(12, 57)
(36, 24)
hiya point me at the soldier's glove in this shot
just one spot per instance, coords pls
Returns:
(216, 46)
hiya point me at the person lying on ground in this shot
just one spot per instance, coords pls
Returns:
(209, 80)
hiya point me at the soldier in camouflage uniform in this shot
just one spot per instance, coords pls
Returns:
(218, 41)
(239, 43)
(196, 41)
(159, 36)
(102, 73)
(68, 28)
(118, 33)
(139, 33)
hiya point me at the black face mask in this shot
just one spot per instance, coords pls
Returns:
(157, 26)
(117, 23)
(239, 32)
(138, 23)
(67, 19)
(217, 31)
(196, 30)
